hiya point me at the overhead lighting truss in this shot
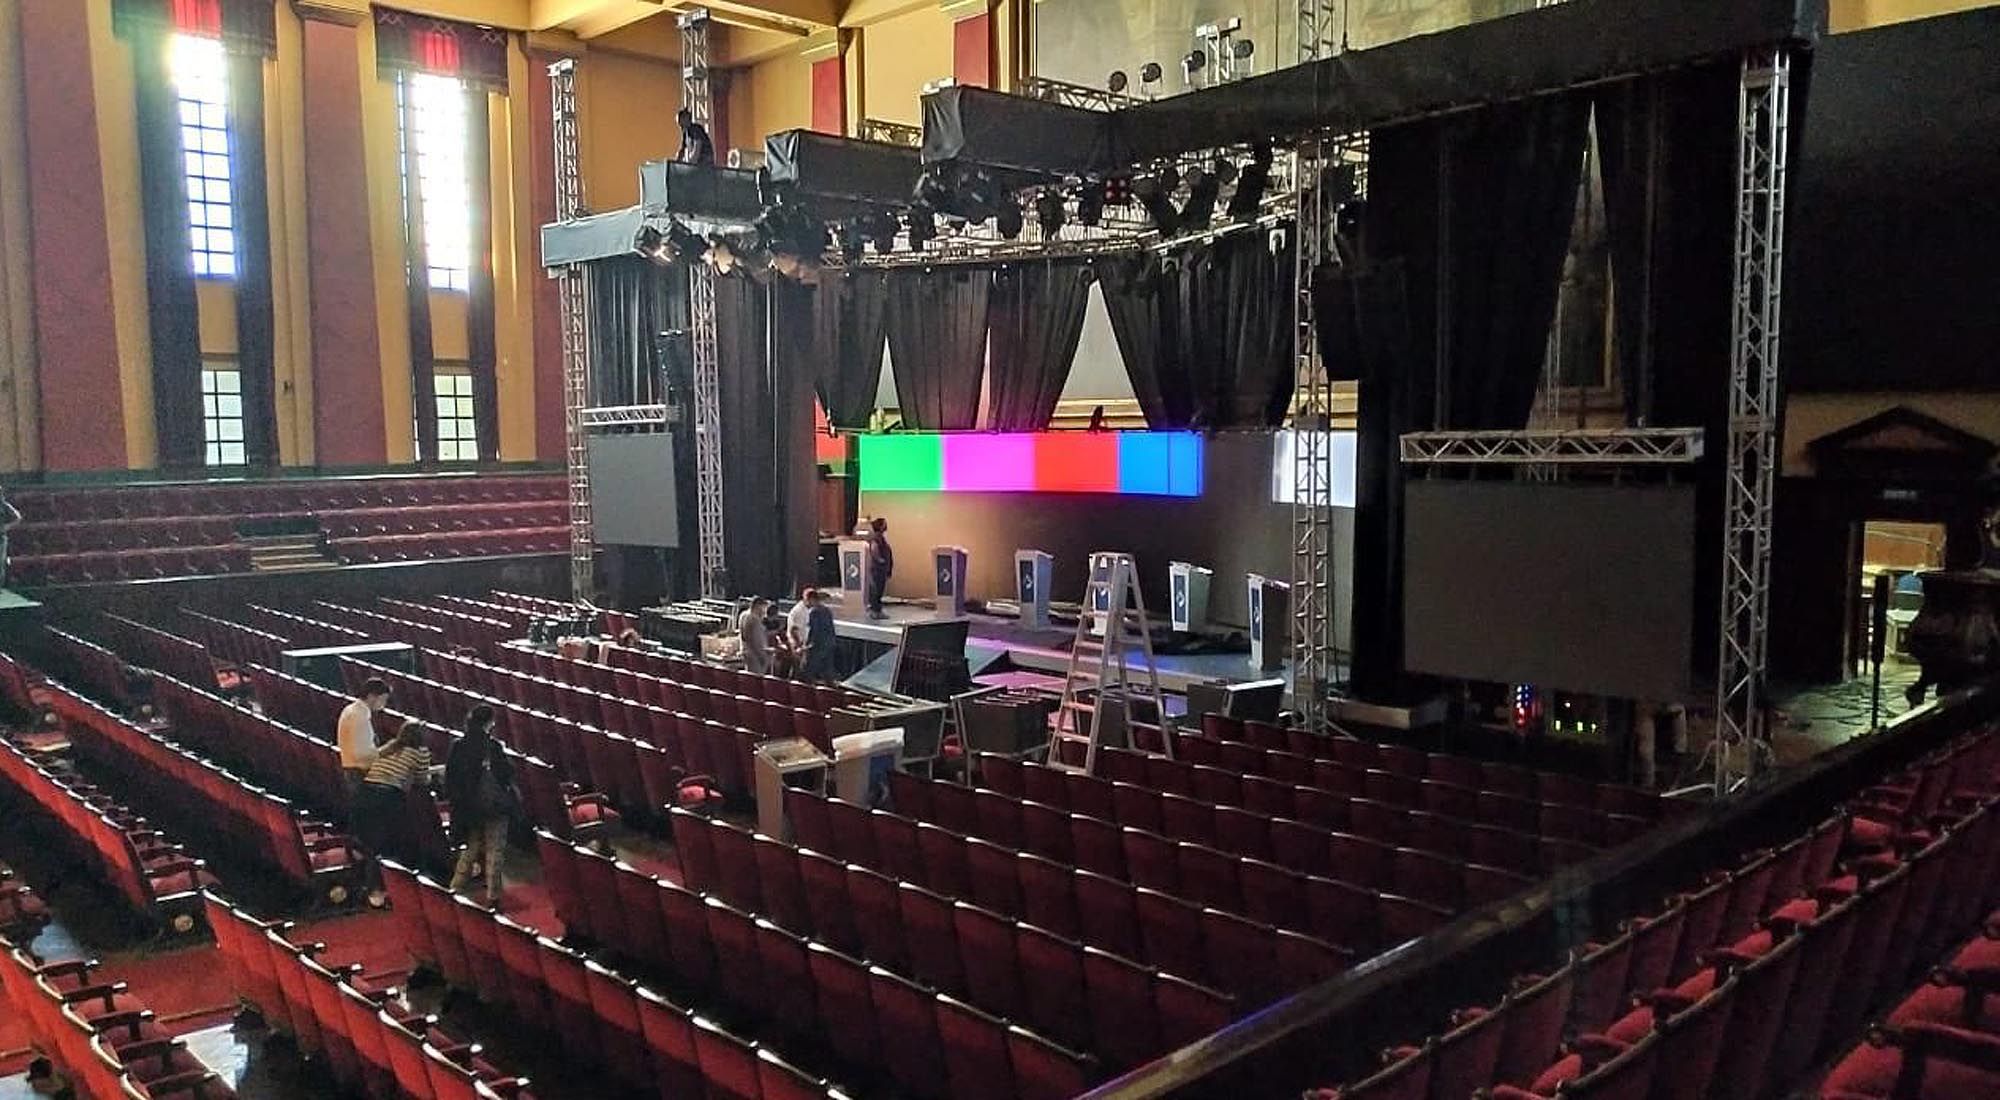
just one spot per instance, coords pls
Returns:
(1554, 447)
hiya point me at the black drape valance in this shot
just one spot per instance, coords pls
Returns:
(406, 43)
(937, 344)
(1136, 299)
(244, 26)
(1037, 319)
(848, 318)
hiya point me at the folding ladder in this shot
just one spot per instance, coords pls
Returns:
(1113, 612)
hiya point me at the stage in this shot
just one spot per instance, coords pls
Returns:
(1002, 652)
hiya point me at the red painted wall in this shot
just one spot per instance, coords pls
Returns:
(83, 421)
(347, 356)
(972, 51)
(829, 97)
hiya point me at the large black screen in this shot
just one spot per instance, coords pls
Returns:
(1577, 587)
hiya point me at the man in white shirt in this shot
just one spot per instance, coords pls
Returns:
(356, 733)
(795, 621)
(756, 636)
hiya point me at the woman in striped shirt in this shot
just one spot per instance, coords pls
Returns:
(381, 817)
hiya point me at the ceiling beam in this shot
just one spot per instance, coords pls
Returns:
(616, 15)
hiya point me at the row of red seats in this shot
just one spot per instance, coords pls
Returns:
(1012, 968)
(1366, 852)
(380, 627)
(1739, 986)
(103, 1035)
(161, 650)
(682, 693)
(1140, 913)
(736, 681)
(1942, 1041)
(367, 1035)
(301, 705)
(233, 642)
(593, 769)
(300, 630)
(21, 909)
(157, 879)
(929, 1044)
(515, 618)
(425, 520)
(1463, 771)
(373, 549)
(262, 826)
(85, 536)
(630, 713)
(1520, 812)
(95, 567)
(598, 1017)
(98, 669)
(289, 497)
(461, 629)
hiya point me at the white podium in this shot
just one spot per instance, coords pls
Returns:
(1034, 575)
(1188, 589)
(862, 763)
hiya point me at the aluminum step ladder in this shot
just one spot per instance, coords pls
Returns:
(1113, 612)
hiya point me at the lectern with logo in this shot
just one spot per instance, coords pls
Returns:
(1034, 575)
(1188, 585)
(948, 575)
(1270, 622)
(856, 562)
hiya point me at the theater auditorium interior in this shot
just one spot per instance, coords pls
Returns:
(986, 549)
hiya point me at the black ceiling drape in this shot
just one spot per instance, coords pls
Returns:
(1037, 318)
(753, 541)
(1136, 292)
(1258, 306)
(937, 341)
(250, 210)
(172, 309)
(632, 302)
(847, 325)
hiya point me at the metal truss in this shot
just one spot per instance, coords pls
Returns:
(1075, 95)
(629, 416)
(1315, 637)
(575, 299)
(694, 27)
(1554, 447)
(892, 133)
(1321, 33)
(1755, 398)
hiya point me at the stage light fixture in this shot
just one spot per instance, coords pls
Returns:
(1193, 63)
(1203, 191)
(1223, 170)
(1150, 73)
(1117, 192)
(1154, 198)
(1251, 183)
(721, 254)
(1337, 183)
(1090, 200)
(923, 226)
(1242, 49)
(882, 230)
(852, 239)
(1049, 212)
(652, 244)
(685, 244)
(1170, 179)
(1009, 221)
(1116, 82)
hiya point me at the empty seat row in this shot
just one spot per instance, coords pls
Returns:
(157, 880)
(1734, 988)
(598, 1017)
(368, 1037)
(1522, 813)
(259, 825)
(430, 519)
(83, 536)
(299, 630)
(685, 670)
(1941, 1040)
(301, 705)
(373, 549)
(630, 712)
(287, 497)
(514, 617)
(1084, 884)
(233, 642)
(890, 921)
(380, 627)
(461, 628)
(697, 692)
(164, 651)
(93, 666)
(629, 760)
(103, 1035)
(101, 566)
(1463, 771)
(868, 1015)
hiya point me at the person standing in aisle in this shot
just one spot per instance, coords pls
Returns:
(479, 780)
(756, 637)
(355, 734)
(884, 567)
(818, 665)
(381, 813)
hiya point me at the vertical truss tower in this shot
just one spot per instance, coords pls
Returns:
(575, 338)
(695, 95)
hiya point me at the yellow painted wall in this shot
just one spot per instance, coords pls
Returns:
(770, 96)
(902, 54)
(516, 238)
(1854, 15)
(1809, 416)
(626, 106)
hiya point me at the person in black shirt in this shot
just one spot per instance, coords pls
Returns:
(479, 780)
(696, 147)
(885, 566)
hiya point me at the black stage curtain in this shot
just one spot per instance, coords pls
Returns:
(1257, 301)
(937, 341)
(847, 326)
(1036, 322)
(417, 290)
(1137, 293)
(632, 303)
(482, 336)
(250, 210)
(172, 309)
(753, 542)
(1197, 327)
(796, 367)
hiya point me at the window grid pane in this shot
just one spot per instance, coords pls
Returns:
(437, 116)
(201, 80)
(458, 429)
(222, 414)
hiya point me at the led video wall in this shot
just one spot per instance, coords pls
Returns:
(1166, 464)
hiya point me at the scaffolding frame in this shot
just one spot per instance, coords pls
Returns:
(1741, 744)
(714, 577)
(574, 293)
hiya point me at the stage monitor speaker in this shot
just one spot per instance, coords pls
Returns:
(1188, 608)
(948, 575)
(1270, 623)
(1034, 575)
(857, 560)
